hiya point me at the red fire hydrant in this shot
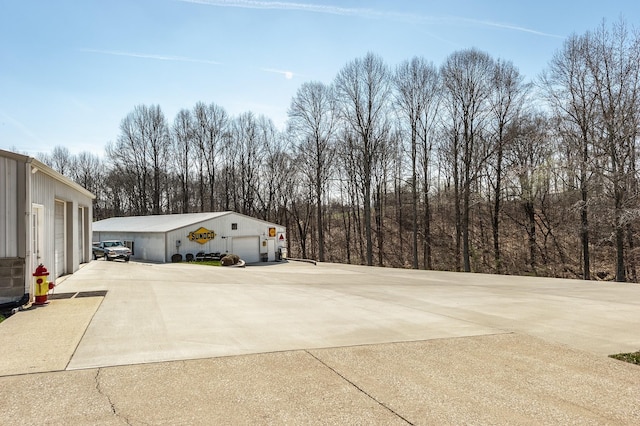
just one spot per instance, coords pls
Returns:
(42, 285)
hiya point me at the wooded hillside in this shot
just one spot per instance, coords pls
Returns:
(462, 166)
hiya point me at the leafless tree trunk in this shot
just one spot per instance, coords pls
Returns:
(466, 76)
(363, 92)
(614, 63)
(273, 170)
(141, 150)
(529, 154)
(60, 160)
(248, 144)
(570, 91)
(212, 131)
(183, 138)
(507, 97)
(312, 119)
(416, 88)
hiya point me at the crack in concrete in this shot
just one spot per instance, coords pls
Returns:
(367, 394)
(108, 398)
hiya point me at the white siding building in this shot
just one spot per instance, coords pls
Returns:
(157, 238)
(44, 218)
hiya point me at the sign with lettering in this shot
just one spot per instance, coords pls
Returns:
(201, 235)
(272, 232)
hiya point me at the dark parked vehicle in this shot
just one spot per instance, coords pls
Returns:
(110, 250)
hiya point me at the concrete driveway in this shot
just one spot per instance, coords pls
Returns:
(173, 311)
(297, 343)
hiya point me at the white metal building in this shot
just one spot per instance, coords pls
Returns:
(158, 238)
(44, 218)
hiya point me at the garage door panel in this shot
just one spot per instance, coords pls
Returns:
(248, 248)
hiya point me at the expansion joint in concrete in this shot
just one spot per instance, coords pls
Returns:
(364, 392)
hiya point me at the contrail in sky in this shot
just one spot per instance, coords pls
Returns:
(360, 12)
(509, 27)
(149, 56)
(316, 8)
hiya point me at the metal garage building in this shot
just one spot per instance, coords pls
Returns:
(158, 238)
(44, 218)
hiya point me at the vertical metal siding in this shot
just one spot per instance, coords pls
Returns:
(12, 217)
(45, 190)
(9, 207)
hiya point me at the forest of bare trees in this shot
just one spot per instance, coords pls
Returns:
(462, 166)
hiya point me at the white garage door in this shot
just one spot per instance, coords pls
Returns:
(248, 248)
(59, 239)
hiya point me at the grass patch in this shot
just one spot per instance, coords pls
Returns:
(633, 357)
(1, 318)
(206, 262)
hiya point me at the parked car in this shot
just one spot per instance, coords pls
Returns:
(110, 250)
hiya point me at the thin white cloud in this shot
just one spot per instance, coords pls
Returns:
(151, 56)
(287, 74)
(307, 7)
(361, 12)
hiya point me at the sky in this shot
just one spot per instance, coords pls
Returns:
(71, 70)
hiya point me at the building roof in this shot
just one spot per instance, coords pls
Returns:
(155, 223)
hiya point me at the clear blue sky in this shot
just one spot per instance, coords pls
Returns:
(70, 71)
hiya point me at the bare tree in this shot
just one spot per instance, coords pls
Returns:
(86, 170)
(141, 150)
(467, 81)
(248, 144)
(312, 119)
(211, 132)
(350, 188)
(157, 132)
(363, 90)
(569, 89)
(528, 165)
(273, 168)
(614, 62)
(507, 98)
(183, 154)
(417, 86)
(60, 160)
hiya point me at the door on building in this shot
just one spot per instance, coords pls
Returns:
(271, 245)
(248, 248)
(37, 226)
(59, 240)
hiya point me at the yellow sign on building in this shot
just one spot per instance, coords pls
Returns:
(201, 235)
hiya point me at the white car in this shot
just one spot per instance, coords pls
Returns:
(110, 250)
